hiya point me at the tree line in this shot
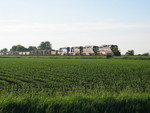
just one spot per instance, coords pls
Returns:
(43, 46)
(131, 53)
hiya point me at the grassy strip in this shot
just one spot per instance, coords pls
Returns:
(57, 57)
(134, 57)
(106, 103)
(82, 57)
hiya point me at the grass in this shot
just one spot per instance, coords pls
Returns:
(82, 57)
(82, 103)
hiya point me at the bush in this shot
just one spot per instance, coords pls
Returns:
(109, 56)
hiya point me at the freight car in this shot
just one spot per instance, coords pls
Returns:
(78, 50)
(90, 50)
(30, 53)
(64, 51)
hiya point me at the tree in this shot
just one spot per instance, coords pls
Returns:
(18, 48)
(145, 54)
(45, 46)
(68, 49)
(81, 50)
(13, 48)
(21, 48)
(4, 50)
(30, 48)
(130, 53)
(117, 53)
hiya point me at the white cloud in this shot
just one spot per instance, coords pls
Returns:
(14, 26)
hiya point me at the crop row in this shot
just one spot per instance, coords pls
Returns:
(70, 75)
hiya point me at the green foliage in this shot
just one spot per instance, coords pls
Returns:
(68, 49)
(108, 56)
(78, 74)
(130, 53)
(145, 54)
(30, 48)
(133, 57)
(82, 57)
(44, 85)
(18, 48)
(4, 50)
(76, 104)
(117, 53)
(45, 45)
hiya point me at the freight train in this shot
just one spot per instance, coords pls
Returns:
(90, 50)
(30, 53)
(79, 50)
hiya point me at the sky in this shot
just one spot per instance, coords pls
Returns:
(64, 23)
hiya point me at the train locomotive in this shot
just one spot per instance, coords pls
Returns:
(90, 50)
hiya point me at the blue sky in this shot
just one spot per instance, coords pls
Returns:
(76, 22)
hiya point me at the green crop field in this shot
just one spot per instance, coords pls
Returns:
(74, 85)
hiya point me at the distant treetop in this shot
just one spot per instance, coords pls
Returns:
(45, 46)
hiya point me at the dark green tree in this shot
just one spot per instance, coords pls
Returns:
(117, 53)
(13, 48)
(18, 48)
(145, 54)
(68, 49)
(21, 48)
(130, 53)
(81, 50)
(4, 50)
(45, 46)
(30, 48)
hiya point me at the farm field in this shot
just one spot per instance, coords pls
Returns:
(74, 85)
